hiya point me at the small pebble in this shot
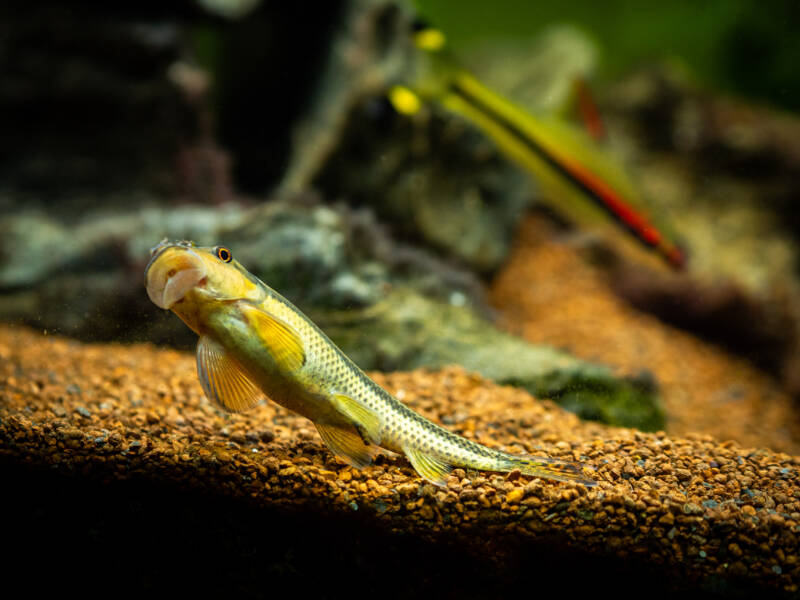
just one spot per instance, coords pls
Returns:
(515, 495)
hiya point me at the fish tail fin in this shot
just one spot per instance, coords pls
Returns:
(550, 468)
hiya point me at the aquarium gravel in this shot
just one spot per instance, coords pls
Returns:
(550, 294)
(697, 509)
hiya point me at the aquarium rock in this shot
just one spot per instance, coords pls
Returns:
(389, 305)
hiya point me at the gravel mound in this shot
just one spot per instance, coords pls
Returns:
(692, 513)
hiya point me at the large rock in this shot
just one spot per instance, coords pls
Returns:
(388, 305)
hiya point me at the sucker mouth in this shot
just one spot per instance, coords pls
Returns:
(155, 253)
(159, 249)
(177, 286)
(185, 272)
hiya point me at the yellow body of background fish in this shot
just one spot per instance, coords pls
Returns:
(580, 179)
(255, 343)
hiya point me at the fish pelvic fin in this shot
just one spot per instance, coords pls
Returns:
(366, 421)
(346, 443)
(222, 378)
(283, 342)
(549, 468)
(429, 467)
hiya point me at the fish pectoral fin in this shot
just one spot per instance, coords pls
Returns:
(283, 342)
(429, 467)
(222, 378)
(346, 443)
(367, 422)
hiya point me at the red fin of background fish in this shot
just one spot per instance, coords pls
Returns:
(589, 113)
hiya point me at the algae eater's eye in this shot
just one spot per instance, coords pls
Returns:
(223, 254)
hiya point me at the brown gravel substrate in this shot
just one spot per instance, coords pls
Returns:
(698, 512)
(549, 294)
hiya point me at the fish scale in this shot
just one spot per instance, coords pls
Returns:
(330, 368)
(254, 342)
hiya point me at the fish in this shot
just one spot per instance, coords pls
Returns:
(254, 344)
(576, 174)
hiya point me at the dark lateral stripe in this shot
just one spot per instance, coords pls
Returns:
(599, 191)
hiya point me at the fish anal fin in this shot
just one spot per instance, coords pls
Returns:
(283, 342)
(552, 468)
(346, 443)
(222, 378)
(366, 421)
(429, 467)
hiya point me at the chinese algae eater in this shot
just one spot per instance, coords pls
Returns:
(254, 343)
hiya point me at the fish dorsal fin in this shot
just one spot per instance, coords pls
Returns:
(367, 422)
(223, 379)
(429, 467)
(346, 443)
(282, 340)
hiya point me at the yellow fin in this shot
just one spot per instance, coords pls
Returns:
(283, 341)
(346, 443)
(404, 100)
(367, 422)
(551, 468)
(223, 380)
(430, 39)
(429, 467)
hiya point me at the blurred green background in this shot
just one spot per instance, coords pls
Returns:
(750, 48)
